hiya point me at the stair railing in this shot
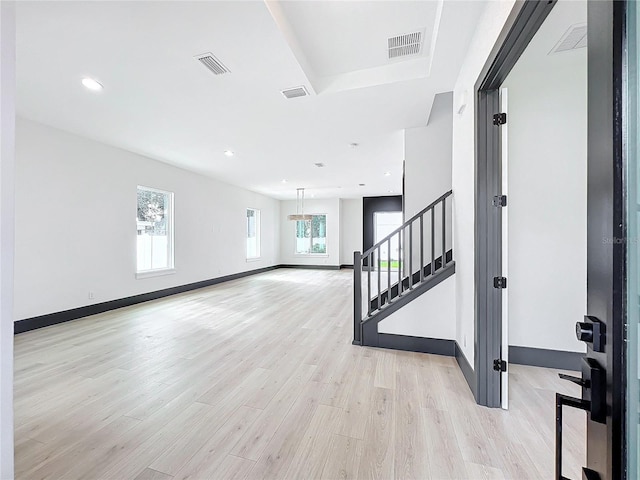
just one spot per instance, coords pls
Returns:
(431, 257)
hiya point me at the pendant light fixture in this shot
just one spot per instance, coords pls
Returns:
(299, 215)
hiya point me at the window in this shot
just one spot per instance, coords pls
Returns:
(155, 230)
(311, 236)
(253, 233)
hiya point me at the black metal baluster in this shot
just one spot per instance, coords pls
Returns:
(433, 240)
(444, 232)
(421, 248)
(399, 263)
(379, 286)
(369, 266)
(411, 255)
(357, 297)
(389, 271)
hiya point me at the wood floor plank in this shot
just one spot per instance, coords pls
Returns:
(443, 452)
(296, 389)
(483, 472)
(378, 450)
(358, 402)
(209, 458)
(150, 474)
(314, 448)
(79, 452)
(343, 460)
(280, 451)
(385, 376)
(410, 456)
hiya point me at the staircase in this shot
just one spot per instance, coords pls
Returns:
(424, 259)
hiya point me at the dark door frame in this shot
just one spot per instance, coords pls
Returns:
(606, 224)
(521, 26)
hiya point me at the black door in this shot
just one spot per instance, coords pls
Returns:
(603, 328)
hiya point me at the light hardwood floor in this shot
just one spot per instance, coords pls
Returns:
(257, 378)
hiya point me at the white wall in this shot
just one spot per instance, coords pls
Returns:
(76, 227)
(350, 229)
(427, 165)
(330, 207)
(7, 159)
(427, 157)
(431, 315)
(547, 162)
(488, 28)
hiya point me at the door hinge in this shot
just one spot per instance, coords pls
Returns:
(499, 282)
(500, 201)
(499, 365)
(500, 119)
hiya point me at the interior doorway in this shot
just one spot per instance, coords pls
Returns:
(544, 221)
(611, 124)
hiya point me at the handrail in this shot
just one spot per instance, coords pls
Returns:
(406, 223)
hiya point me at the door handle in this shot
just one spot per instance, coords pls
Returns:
(594, 388)
(576, 380)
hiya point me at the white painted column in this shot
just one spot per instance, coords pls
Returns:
(7, 160)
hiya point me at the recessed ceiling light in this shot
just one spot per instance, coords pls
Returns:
(229, 153)
(387, 174)
(354, 145)
(284, 180)
(361, 184)
(390, 191)
(92, 84)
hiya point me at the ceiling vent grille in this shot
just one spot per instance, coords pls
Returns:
(574, 38)
(212, 63)
(295, 92)
(403, 45)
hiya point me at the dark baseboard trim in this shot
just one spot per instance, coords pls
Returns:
(540, 357)
(312, 267)
(347, 265)
(41, 321)
(467, 371)
(436, 346)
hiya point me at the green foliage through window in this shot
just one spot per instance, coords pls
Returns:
(311, 235)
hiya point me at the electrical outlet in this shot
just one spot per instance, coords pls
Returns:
(91, 295)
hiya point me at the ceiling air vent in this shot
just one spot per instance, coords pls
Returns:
(295, 92)
(403, 45)
(575, 37)
(212, 63)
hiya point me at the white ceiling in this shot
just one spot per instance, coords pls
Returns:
(160, 102)
(539, 54)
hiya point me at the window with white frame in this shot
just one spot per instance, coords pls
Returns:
(311, 236)
(155, 230)
(253, 233)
